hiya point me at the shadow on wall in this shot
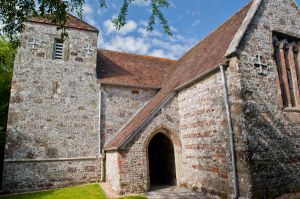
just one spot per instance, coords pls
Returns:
(274, 148)
(18, 175)
(31, 176)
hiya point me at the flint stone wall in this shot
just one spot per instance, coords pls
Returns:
(273, 133)
(119, 104)
(205, 136)
(133, 160)
(28, 176)
(195, 121)
(53, 112)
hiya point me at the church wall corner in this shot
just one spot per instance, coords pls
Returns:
(270, 131)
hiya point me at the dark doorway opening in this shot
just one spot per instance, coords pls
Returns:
(161, 161)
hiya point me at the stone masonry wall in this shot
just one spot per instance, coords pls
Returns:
(133, 161)
(112, 170)
(53, 112)
(273, 133)
(204, 136)
(119, 104)
(195, 121)
(28, 176)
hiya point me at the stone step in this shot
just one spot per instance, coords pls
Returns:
(174, 193)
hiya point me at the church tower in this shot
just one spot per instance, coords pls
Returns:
(53, 132)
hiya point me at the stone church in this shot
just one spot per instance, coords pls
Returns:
(223, 120)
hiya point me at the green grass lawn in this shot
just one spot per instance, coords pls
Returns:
(90, 191)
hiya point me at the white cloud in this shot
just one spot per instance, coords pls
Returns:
(154, 46)
(114, 5)
(135, 38)
(141, 2)
(129, 27)
(196, 23)
(101, 11)
(142, 29)
(172, 5)
(100, 41)
(144, 23)
(90, 20)
(87, 9)
(127, 44)
(36, 4)
(88, 13)
(160, 43)
(173, 48)
(159, 53)
(173, 29)
(194, 13)
(145, 33)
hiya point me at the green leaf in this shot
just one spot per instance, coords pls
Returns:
(156, 13)
(7, 55)
(13, 13)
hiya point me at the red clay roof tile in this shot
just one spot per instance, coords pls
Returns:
(131, 70)
(72, 22)
(200, 59)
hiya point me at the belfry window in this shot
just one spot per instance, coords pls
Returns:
(58, 49)
(286, 55)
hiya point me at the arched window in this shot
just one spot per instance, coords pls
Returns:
(286, 55)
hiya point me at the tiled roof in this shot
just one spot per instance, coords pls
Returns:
(72, 22)
(207, 54)
(128, 69)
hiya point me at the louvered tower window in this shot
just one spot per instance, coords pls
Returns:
(58, 49)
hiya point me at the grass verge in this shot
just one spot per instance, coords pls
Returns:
(90, 191)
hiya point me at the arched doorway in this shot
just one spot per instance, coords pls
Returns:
(161, 160)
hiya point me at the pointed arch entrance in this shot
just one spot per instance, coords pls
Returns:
(164, 162)
(161, 157)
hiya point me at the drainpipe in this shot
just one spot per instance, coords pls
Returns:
(102, 162)
(232, 145)
(101, 155)
(99, 122)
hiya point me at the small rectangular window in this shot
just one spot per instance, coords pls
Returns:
(58, 49)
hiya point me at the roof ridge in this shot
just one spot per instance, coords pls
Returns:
(140, 55)
(217, 28)
(82, 21)
(209, 35)
(81, 25)
(243, 28)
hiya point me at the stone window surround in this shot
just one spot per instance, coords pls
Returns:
(288, 58)
(58, 49)
(66, 44)
(177, 152)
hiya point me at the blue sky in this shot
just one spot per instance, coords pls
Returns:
(190, 21)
